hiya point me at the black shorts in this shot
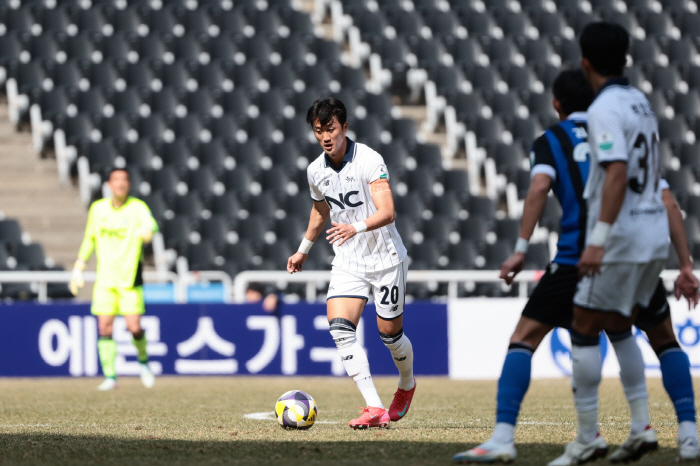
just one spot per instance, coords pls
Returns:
(551, 302)
(657, 311)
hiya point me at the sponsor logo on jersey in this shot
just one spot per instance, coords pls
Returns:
(344, 200)
(345, 358)
(119, 233)
(383, 177)
(350, 179)
(394, 308)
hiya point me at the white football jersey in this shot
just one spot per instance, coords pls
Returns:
(348, 195)
(623, 127)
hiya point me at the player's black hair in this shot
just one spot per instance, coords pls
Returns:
(605, 46)
(572, 91)
(118, 169)
(324, 110)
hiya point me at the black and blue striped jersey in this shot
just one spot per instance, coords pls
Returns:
(563, 154)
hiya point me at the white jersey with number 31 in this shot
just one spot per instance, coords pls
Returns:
(347, 193)
(623, 127)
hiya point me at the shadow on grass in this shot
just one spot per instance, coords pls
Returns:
(56, 449)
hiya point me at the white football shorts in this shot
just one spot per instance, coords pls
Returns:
(619, 287)
(388, 288)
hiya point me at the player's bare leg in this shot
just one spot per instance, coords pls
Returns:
(675, 373)
(512, 386)
(133, 324)
(343, 316)
(391, 333)
(107, 350)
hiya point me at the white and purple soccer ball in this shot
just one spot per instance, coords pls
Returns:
(296, 410)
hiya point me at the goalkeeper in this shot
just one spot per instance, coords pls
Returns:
(116, 230)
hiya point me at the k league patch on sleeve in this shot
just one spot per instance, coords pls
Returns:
(605, 141)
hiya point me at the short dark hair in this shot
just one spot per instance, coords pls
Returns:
(572, 91)
(324, 110)
(605, 46)
(118, 169)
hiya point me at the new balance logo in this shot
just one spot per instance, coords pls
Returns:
(400, 359)
(394, 308)
(326, 183)
(345, 358)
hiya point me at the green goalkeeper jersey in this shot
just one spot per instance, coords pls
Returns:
(114, 235)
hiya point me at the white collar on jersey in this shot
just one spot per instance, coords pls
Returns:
(577, 116)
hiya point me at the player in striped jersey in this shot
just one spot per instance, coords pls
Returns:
(560, 162)
(349, 183)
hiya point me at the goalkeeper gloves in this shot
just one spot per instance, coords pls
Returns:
(76, 280)
(145, 233)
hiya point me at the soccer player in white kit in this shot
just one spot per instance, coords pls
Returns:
(350, 183)
(626, 242)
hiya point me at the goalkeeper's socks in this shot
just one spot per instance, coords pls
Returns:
(513, 383)
(107, 349)
(140, 344)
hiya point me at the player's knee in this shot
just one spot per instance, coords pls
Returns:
(137, 333)
(343, 331)
(660, 349)
(392, 341)
(618, 335)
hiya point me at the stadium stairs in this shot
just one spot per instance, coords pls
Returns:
(30, 192)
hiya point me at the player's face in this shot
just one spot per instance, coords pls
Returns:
(119, 184)
(331, 136)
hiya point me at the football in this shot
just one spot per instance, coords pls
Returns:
(296, 410)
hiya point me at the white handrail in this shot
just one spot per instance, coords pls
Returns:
(43, 278)
(451, 277)
(234, 290)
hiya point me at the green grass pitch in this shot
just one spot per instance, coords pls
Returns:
(193, 420)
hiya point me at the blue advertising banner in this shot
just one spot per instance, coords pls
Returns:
(209, 339)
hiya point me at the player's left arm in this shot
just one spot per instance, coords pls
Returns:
(614, 189)
(686, 283)
(385, 214)
(605, 126)
(147, 226)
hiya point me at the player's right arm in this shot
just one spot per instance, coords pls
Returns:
(84, 253)
(543, 170)
(686, 283)
(317, 220)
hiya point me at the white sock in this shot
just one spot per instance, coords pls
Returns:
(687, 429)
(639, 409)
(587, 425)
(632, 377)
(402, 353)
(503, 432)
(587, 366)
(354, 360)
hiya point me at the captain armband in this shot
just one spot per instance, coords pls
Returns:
(379, 186)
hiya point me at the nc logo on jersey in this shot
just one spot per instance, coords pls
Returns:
(605, 141)
(344, 200)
